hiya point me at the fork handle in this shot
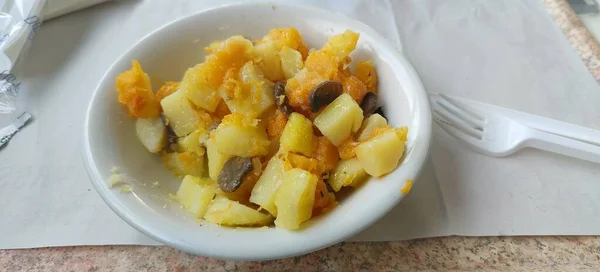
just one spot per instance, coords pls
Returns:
(563, 145)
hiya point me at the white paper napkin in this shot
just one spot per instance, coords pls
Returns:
(504, 52)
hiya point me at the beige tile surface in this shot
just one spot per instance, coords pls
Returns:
(434, 254)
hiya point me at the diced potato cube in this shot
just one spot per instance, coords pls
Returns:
(195, 194)
(251, 95)
(152, 133)
(291, 62)
(192, 142)
(226, 212)
(341, 45)
(180, 114)
(266, 57)
(339, 119)
(295, 198)
(297, 135)
(263, 193)
(347, 173)
(369, 125)
(185, 163)
(241, 139)
(216, 159)
(201, 94)
(381, 154)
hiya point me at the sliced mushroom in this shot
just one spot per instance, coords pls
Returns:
(233, 173)
(171, 136)
(380, 112)
(280, 99)
(323, 94)
(369, 104)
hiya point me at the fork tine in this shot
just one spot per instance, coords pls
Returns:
(452, 120)
(457, 133)
(470, 117)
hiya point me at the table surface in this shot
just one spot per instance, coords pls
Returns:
(443, 254)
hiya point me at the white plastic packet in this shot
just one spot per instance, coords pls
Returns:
(19, 21)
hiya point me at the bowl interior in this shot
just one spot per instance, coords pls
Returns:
(110, 139)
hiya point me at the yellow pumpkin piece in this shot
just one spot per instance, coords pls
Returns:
(354, 87)
(303, 162)
(323, 64)
(326, 153)
(299, 87)
(289, 37)
(365, 72)
(277, 123)
(201, 82)
(166, 89)
(341, 45)
(135, 92)
(324, 200)
(223, 211)
(222, 110)
(295, 198)
(346, 149)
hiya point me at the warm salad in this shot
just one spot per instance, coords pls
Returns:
(266, 131)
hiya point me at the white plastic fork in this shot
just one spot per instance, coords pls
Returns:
(498, 132)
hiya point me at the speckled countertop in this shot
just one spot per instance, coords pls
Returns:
(438, 254)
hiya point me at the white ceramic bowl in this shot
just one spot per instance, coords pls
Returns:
(165, 54)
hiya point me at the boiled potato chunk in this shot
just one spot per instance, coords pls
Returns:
(369, 125)
(381, 154)
(184, 163)
(241, 139)
(266, 57)
(291, 62)
(195, 194)
(347, 173)
(297, 135)
(152, 133)
(226, 212)
(216, 159)
(263, 193)
(179, 113)
(339, 119)
(295, 198)
(191, 142)
(251, 95)
(200, 94)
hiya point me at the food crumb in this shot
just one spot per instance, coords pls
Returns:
(114, 180)
(155, 184)
(407, 187)
(165, 206)
(125, 189)
(115, 170)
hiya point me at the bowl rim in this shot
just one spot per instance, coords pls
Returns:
(420, 148)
